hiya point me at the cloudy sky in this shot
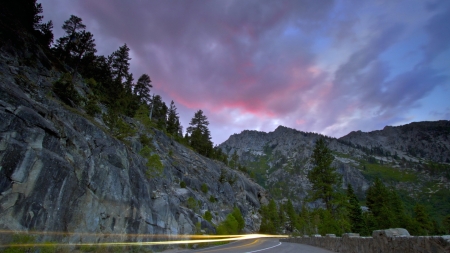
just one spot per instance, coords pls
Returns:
(325, 66)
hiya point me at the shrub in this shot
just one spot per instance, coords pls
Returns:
(204, 188)
(229, 226)
(192, 204)
(117, 126)
(207, 216)
(66, 91)
(154, 165)
(92, 108)
(182, 184)
(212, 199)
(146, 141)
(223, 176)
(232, 179)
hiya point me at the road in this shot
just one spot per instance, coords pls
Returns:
(263, 245)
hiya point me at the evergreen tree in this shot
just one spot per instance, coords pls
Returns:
(73, 25)
(44, 33)
(270, 222)
(305, 223)
(354, 211)
(446, 224)
(173, 123)
(66, 45)
(274, 215)
(85, 45)
(200, 137)
(323, 177)
(159, 112)
(378, 201)
(234, 160)
(238, 216)
(421, 217)
(120, 66)
(142, 88)
(386, 207)
(229, 226)
(282, 216)
(291, 216)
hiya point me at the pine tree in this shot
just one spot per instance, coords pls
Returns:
(85, 45)
(354, 211)
(266, 226)
(200, 137)
(173, 123)
(234, 160)
(120, 66)
(274, 215)
(142, 88)
(73, 25)
(323, 177)
(446, 224)
(378, 200)
(238, 216)
(291, 216)
(423, 220)
(66, 45)
(159, 112)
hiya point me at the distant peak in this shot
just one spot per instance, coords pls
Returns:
(282, 128)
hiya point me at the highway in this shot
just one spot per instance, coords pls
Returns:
(263, 245)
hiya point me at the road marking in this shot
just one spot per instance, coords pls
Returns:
(265, 248)
(239, 246)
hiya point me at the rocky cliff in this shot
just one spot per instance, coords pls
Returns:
(62, 171)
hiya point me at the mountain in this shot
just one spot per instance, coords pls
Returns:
(65, 175)
(413, 158)
(417, 141)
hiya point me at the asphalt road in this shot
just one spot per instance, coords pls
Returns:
(263, 245)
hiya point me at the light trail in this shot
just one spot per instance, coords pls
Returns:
(189, 239)
(108, 234)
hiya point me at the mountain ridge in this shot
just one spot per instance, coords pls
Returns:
(411, 158)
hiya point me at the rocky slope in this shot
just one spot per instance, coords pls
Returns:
(415, 141)
(413, 158)
(61, 171)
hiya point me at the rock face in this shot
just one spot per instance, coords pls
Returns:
(61, 171)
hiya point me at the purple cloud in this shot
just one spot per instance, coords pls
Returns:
(320, 66)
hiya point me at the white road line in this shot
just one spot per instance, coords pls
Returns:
(265, 248)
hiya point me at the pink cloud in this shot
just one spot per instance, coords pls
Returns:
(253, 64)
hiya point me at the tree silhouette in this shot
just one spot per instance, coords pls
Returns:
(323, 177)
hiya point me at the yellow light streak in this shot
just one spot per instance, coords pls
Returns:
(189, 239)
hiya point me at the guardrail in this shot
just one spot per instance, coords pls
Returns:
(386, 241)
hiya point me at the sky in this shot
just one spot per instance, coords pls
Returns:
(328, 67)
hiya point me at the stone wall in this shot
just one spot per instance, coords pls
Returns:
(386, 241)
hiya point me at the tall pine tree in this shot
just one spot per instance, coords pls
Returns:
(142, 88)
(354, 211)
(200, 137)
(173, 123)
(323, 177)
